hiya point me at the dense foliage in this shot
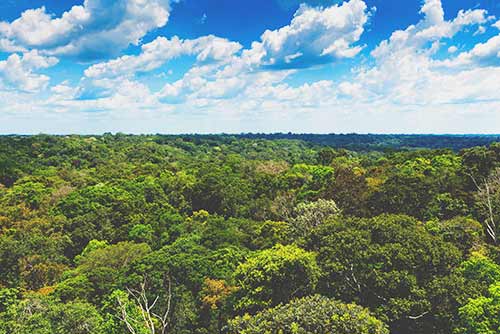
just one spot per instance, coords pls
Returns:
(249, 234)
(314, 314)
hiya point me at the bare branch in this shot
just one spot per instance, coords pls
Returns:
(125, 317)
(164, 319)
(142, 303)
(418, 316)
(484, 197)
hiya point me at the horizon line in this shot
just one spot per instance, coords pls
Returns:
(251, 133)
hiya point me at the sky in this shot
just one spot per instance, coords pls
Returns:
(232, 66)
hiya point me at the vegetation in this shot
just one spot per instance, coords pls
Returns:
(249, 234)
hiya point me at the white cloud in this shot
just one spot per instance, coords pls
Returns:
(202, 82)
(160, 51)
(433, 27)
(17, 72)
(211, 53)
(121, 97)
(480, 30)
(482, 54)
(406, 77)
(94, 30)
(433, 11)
(7, 45)
(314, 36)
(63, 91)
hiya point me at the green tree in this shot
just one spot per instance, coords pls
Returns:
(309, 216)
(42, 315)
(444, 206)
(314, 314)
(479, 268)
(141, 233)
(465, 233)
(385, 263)
(101, 269)
(481, 315)
(274, 276)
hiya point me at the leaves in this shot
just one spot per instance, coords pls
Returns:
(314, 314)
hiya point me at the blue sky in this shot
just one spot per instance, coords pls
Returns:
(211, 66)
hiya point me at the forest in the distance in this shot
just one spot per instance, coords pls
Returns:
(249, 234)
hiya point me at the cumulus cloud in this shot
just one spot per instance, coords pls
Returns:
(94, 30)
(482, 54)
(160, 51)
(63, 90)
(407, 75)
(211, 52)
(18, 72)
(432, 28)
(316, 35)
(210, 82)
(7, 45)
(404, 72)
(404, 77)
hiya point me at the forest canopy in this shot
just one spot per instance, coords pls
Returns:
(249, 234)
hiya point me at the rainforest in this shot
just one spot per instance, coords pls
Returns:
(249, 234)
